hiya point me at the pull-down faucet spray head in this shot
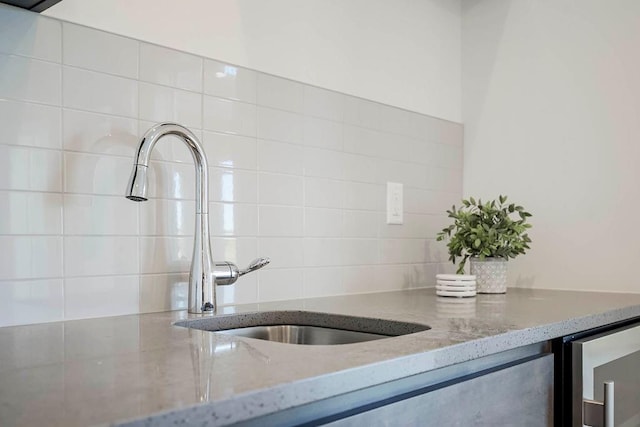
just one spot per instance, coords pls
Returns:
(137, 187)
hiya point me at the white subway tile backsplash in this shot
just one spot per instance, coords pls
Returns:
(30, 213)
(422, 127)
(163, 292)
(167, 180)
(360, 251)
(30, 257)
(395, 120)
(224, 115)
(323, 163)
(358, 195)
(358, 168)
(401, 276)
(34, 169)
(448, 180)
(410, 174)
(104, 215)
(414, 226)
(296, 173)
(351, 110)
(280, 125)
(159, 217)
(228, 81)
(99, 133)
(448, 156)
(445, 132)
(239, 250)
(360, 223)
(233, 219)
(31, 301)
(360, 279)
(323, 252)
(245, 293)
(228, 185)
(279, 284)
(421, 201)
(280, 93)
(323, 192)
(165, 254)
(284, 252)
(100, 93)
(285, 221)
(366, 141)
(27, 79)
(372, 115)
(322, 133)
(428, 201)
(27, 34)
(435, 223)
(322, 281)
(280, 189)
(399, 251)
(423, 152)
(100, 255)
(99, 51)
(320, 222)
(86, 297)
(170, 67)
(165, 104)
(280, 157)
(94, 174)
(231, 151)
(323, 103)
(31, 125)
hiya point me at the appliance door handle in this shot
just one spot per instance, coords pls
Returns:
(600, 414)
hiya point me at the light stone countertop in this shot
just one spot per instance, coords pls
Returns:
(141, 367)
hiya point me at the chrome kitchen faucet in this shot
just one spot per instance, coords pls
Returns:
(205, 273)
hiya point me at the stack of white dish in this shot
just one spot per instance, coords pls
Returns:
(456, 285)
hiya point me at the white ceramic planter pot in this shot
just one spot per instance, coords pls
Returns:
(491, 275)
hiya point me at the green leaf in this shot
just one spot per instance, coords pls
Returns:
(485, 230)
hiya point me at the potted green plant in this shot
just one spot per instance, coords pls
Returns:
(488, 234)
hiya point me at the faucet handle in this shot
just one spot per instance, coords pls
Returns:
(254, 265)
(226, 273)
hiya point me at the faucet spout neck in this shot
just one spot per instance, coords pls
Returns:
(138, 182)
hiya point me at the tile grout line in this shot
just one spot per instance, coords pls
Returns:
(138, 210)
(64, 173)
(260, 276)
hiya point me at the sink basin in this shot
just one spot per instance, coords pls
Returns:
(304, 327)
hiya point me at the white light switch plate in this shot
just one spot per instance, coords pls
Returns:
(394, 203)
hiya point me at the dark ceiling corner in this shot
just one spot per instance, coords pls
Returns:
(32, 5)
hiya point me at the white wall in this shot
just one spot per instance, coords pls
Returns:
(551, 108)
(404, 53)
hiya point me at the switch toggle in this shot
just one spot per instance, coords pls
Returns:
(394, 203)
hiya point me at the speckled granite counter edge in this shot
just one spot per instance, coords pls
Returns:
(262, 402)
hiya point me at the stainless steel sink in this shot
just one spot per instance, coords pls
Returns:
(300, 334)
(304, 327)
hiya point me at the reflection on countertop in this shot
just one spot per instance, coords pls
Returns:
(109, 370)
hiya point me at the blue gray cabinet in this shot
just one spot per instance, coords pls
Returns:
(517, 395)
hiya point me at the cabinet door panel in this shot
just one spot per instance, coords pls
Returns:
(519, 395)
